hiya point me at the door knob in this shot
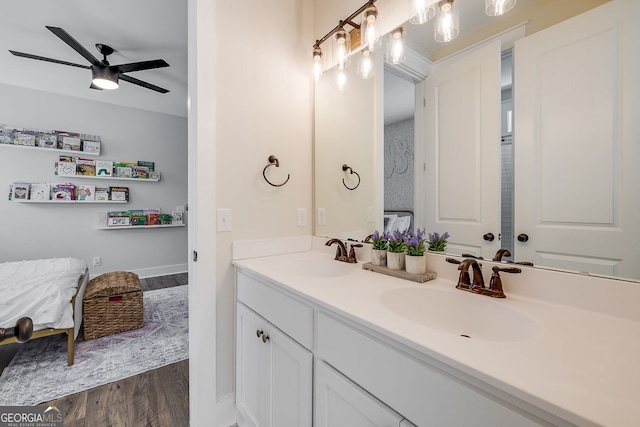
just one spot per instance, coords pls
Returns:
(523, 238)
(259, 333)
(488, 237)
(265, 338)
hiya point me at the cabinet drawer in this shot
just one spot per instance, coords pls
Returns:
(423, 394)
(290, 315)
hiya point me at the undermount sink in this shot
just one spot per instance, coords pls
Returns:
(320, 267)
(462, 313)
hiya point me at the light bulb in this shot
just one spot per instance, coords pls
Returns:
(498, 7)
(317, 63)
(365, 67)
(341, 79)
(342, 48)
(422, 11)
(447, 25)
(395, 47)
(369, 28)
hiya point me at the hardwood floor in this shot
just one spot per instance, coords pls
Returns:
(157, 398)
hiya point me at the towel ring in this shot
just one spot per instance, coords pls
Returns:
(273, 160)
(351, 171)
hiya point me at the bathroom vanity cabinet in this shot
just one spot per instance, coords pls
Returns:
(361, 377)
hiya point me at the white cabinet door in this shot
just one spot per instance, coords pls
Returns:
(577, 181)
(339, 402)
(463, 133)
(273, 375)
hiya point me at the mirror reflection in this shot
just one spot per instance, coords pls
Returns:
(574, 203)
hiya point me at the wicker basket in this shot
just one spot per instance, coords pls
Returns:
(112, 304)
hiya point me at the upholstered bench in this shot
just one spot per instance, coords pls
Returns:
(112, 304)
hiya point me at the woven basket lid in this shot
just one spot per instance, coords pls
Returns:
(114, 283)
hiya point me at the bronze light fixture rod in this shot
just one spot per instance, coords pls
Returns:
(348, 20)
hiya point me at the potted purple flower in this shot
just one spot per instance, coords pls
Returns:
(416, 261)
(379, 249)
(437, 242)
(395, 250)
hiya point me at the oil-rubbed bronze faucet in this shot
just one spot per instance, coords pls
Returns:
(495, 285)
(341, 251)
(477, 286)
(501, 253)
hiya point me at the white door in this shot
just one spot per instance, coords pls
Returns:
(273, 375)
(339, 402)
(463, 151)
(577, 146)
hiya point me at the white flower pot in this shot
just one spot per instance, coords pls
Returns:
(395, 260)
(416, 264)
(379, 256)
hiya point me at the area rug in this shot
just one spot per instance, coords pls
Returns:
(39, 372)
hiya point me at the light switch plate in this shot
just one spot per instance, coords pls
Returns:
(224, 219)
(322, 216)
(302, 217)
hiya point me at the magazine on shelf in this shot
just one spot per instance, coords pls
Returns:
(40, 191)
(20, 191)
(86, 192)
(104, 168)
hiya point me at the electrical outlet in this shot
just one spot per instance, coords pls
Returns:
(302, 217)
(224, 219)
(97, 261)
(322, 216)
(370, 214)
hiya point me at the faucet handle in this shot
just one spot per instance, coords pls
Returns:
(495, 285)
(471, 256)
(352, 253)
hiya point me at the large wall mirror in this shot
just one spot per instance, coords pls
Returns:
(544, 164)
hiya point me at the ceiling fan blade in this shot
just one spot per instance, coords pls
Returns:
(141, 83)
(143, 65)
(66, 37)
(42, 58)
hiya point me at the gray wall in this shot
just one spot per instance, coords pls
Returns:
(30, 231)
(398, 166)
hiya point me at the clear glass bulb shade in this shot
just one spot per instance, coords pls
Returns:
(342, 48)
(498, 7)
(317, 64)
(365, 66)
(395, 46)
(447, 23)
(341, 79)
(369, 29)
(422, 11)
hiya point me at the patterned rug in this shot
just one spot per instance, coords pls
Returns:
(39, 372)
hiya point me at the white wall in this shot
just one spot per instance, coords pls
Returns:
(46, 230)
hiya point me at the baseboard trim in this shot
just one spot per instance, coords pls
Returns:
(226, 412)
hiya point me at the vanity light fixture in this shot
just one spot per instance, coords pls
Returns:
(104, 77)
(422, 11)
(365, 66)
(369, 30)
(447, 24)
(498, 7)
(341, 78)
(395, 46)
(342, 48)
(317, 63)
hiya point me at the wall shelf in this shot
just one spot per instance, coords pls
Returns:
(52, 150)
(107, 178)
(71, 201)
(135, 227)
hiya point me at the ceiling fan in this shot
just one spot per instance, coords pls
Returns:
(105, 75)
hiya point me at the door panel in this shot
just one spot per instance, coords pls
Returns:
(463, 133)
(576, 154)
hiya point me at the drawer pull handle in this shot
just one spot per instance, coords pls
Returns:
(265, 338)
(259, 333)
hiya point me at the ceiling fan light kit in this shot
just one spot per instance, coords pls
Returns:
(104, 75)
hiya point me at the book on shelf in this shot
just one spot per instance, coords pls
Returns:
(10, 197)
(86, 192)
(20, 191)
(63, 192)
(104, 168)
(6, 135)
(102, 193)
(178, 217)
(91, 146)
(141, 172)
(66, 168)
(21, 137)
(147, 164)
(119, 193)
(138, 220)
(153, 216)
(123, 171)
(154, 175)
(85, 167)
(47, 140)
(116, 219)
(40, 191)
(71, 143)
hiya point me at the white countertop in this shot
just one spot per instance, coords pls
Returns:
(584, 368)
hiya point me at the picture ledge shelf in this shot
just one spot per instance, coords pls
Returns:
(108, 178)
(70, 201)
(52, 150)
(135, 227)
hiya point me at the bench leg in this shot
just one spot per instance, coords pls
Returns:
(70, 346)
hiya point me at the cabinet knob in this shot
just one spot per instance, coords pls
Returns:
(259, 333)
(265, 338)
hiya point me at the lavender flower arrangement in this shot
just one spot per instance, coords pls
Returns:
(396, 242)
(379, 241)
(438, 242)
(414, 243)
